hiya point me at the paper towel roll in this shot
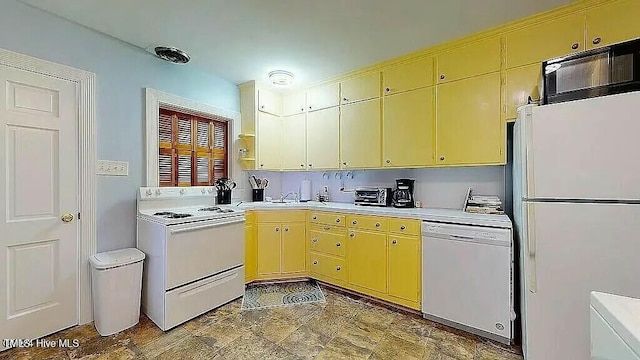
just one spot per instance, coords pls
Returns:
(305, 190)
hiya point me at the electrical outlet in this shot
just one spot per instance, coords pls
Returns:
(325, 188)
(112, 168)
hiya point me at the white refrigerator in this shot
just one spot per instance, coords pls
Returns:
(576, 184)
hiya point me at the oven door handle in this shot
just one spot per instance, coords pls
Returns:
(195, 228)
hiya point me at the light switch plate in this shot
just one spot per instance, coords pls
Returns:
(112, 168)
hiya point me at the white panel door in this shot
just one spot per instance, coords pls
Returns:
(571, 250)
(39, 187)
(586, 149)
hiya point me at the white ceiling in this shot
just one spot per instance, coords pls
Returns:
(242, 40)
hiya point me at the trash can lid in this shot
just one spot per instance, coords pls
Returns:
(116, 258)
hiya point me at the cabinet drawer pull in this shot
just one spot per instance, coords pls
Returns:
(314, 217)
(394, 241)
(402, 227)
(286, 229)
(338, 244)
(575, 46)
(338, 268)
(354, 222)
(338, 220)
(315, 262)
(377, 224)
(315, 240)
(327, 228)
(596, 41)
(352, 234)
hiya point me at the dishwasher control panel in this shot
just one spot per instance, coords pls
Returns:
(466, 232)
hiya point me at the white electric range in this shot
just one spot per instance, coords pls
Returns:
(194, 253)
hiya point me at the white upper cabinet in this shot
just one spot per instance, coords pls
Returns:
(294, 103)
(269, 102)
(323, 96)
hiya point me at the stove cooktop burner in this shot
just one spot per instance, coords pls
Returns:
(178, 216)
(216, 209)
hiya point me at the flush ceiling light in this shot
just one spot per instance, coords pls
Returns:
(281, 78)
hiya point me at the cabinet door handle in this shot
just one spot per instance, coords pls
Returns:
(345, 99)
(596, 41)
(394, 241)
(261, 106)
(378, 224)
(402, 227)
(261, 165)
(301, 165)
(354, 222)
(309, 107)
(310, 165)
(315, 262)
(441, 158)
(344, 163)
(338, 220)
(388, 161)
(338, 268)
(286, 229)
(442, 77)
(575, 46)
(277, 229)
(338, 244)
(315, 240)
(314, 217)
(352, 235)
(302, 108)
(387, 90)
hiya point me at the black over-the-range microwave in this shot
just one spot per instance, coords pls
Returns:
(609, 70)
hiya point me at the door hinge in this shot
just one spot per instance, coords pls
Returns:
(78, 216)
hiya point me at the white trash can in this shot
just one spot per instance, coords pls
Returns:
(116, 284)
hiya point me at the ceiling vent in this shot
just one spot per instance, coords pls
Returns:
(172, 55)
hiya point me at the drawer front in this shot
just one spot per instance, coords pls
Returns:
(404, 226)
(327, 218)
(189, 301)
(327, 242)
(279, 216)
(367, 222)
(329, 266)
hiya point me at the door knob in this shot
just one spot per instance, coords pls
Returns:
(67, 217)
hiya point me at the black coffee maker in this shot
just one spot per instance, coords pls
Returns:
(403, 194)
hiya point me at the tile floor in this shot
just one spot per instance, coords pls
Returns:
(345, 327)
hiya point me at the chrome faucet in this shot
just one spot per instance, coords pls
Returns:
(284, 197)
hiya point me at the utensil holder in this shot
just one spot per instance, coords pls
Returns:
(258, 194)
(224, 197)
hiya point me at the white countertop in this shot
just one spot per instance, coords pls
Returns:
(429, 214)
(622, 314)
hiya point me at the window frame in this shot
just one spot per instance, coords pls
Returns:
(157, 99)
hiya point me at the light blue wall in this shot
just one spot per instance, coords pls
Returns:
(123, 71)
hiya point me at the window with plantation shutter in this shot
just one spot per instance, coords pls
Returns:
(193, 149)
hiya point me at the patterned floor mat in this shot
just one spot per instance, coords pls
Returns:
(264, 296)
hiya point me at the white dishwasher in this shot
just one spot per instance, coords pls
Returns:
(467, 278)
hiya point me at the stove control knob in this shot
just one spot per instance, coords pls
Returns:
(210, 190)
(203, 191)
(149, 192)
(158, 192)
(181, 191)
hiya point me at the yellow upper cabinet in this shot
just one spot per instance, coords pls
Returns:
(408, 129)
(612, 23)
(323, 96)
(480, 57)
(546, 40)
(410, 75)
(323, 139)
(469, 126)
(360, 135)
(361, 87)
(269, 102)
(269, 139)
(520, 84)
(294, 135)
(294, 103)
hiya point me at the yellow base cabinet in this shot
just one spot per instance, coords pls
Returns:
(612, 23)
(408, 129)
(250, 249)
(404, 267)
(281, 244)
(469, 129)
(367, 259)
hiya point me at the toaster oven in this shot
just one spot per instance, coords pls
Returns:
(373, 196)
